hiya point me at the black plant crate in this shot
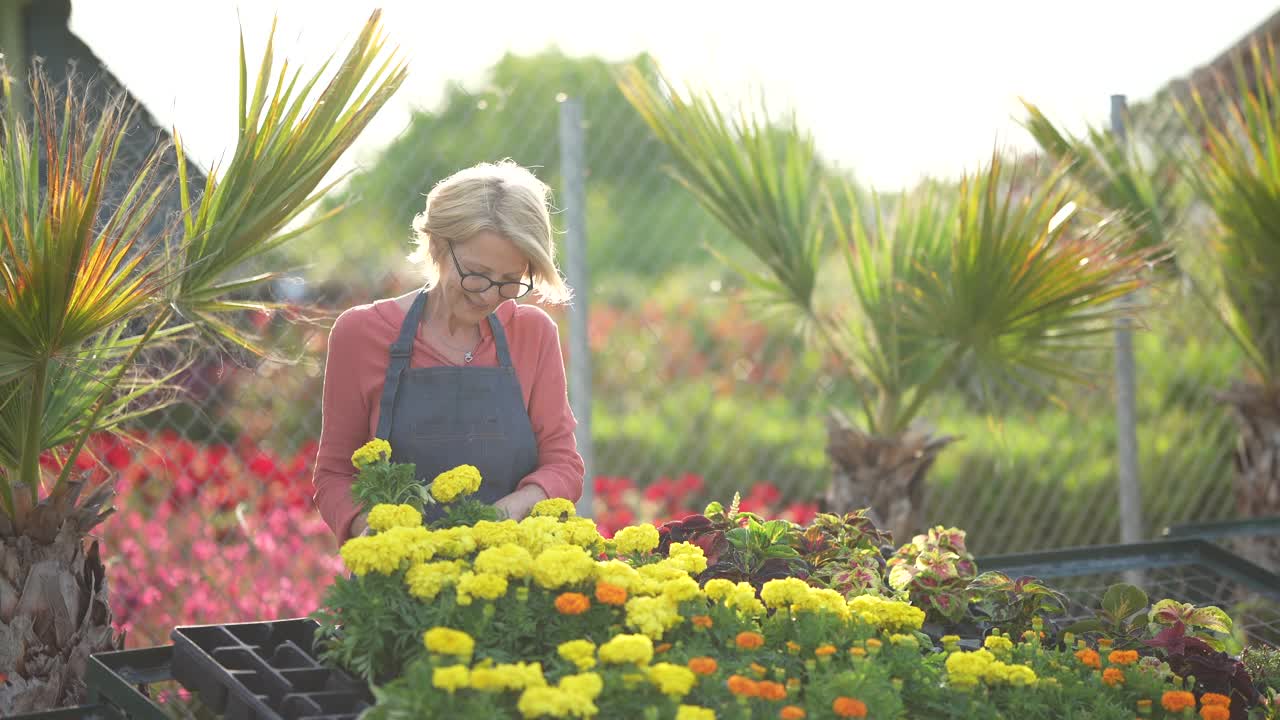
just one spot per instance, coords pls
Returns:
(264, 671)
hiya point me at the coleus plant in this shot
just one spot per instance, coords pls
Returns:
(935, 570)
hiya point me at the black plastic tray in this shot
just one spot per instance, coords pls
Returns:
(264, 671)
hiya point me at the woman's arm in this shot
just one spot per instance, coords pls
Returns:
(344, 428)
(559, 473)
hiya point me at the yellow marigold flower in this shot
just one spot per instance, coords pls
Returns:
(662, 571)
(636, 538)
(485, 586)
(461, 480)
(1209, 698)
(572, 603)
(588, 685)
(488, 533)
(674, 681)
(783, 592)
(1113, 676)
(554, 702)
(627, 649)
(901, 640)
(375, 553)
(653, 616)
(455, 542)
(610, 594)
(507, 676)
(966, 669)
(688, 557)
(447, 641)
(385, 516)
(617, 573)
(743, 599)
(748, 640)
(580, 531)
(681, 589)
(451, 678)
(554, 507)
(1124, 657)
(582, 653)
(426, 580)
(370, 453)
(563, 565)
(997, 643)
(718, 589)
(695, 712)
(889, 615)
(507, 560)
(1177, 700)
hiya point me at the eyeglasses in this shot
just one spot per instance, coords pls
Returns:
(479, 282)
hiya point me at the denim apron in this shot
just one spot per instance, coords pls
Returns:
(440, 417)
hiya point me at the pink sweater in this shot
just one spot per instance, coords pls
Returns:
(356, 368)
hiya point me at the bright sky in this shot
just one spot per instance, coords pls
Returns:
(893, 90)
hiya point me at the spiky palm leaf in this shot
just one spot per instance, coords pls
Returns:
(1237, 176)
(1001, 279)
(76, 273)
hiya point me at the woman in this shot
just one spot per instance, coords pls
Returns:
(459, 372)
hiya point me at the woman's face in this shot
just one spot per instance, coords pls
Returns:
(489, 254)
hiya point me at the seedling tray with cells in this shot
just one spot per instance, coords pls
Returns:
(264, 671)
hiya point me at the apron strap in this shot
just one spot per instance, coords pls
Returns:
(401, 351)
(500, 341)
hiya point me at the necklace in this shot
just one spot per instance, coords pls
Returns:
(467, 355)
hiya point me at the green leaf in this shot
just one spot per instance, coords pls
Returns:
(1123, 600)
(1085, 626)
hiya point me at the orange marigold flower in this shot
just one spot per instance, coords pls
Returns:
(1215, 699)
(1144, 705)
(858, 652)
(1113, 676)
(572, 603)
(611, 594)
(1177, 700)
(1105, 643)
(1123, 657)
(659, 649)
(758, 669)
(791, 712)
(793, 646)
(702, 621)
(770, 690)
(1215, 712)
(874, 644)
(1089, 657)
(849, 707)
(748, 640)
(793, 683)
(703, 665)
(825, 650)
(744, 686)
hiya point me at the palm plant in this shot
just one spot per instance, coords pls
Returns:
(1234, 172)
(1001, 279)
(89, 295)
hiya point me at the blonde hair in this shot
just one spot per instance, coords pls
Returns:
(503, 198)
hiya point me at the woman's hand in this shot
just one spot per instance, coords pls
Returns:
(360, 525)
(518, 504)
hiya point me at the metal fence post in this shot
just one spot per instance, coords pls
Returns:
(573, 203)
(1131, 523)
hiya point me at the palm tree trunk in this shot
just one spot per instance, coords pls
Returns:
(1257, 464)
(885, 474)
(54, 610)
